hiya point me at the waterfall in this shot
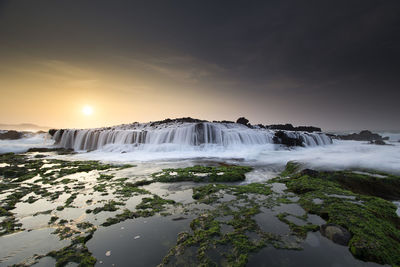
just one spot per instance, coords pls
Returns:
(177, 134)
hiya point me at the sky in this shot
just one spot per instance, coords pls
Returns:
(332, 64)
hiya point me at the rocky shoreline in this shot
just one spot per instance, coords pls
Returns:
(226, 221)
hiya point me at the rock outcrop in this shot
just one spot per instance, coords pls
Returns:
(11, 135)
(290, 127)
(282, 138)
(361, 136)
(243, 120)
(378, 142)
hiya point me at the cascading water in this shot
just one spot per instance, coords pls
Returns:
(176, 136)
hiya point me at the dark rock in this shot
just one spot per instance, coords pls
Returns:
(386, 138)
(185, 119)
(336, 233)
(281, 138)
(224, 121)
(308, 129)
(290, 127)
(309, 172)
(11, 135)
(285, 127)
(361, 136)
(378, 142)
(60, 151)
(179, 219)
(52, 131)
(243, 120)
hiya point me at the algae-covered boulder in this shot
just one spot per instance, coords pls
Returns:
(353, 203)
(336, 233)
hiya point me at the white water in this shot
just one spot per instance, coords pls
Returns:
(337, 156)
(23, 144)
(228, 142)
(176, 137)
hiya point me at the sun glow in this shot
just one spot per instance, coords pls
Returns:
(87, 110)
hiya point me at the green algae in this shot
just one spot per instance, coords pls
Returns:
(299, 230)
(215, 247)
(203, 174)
(70, 200)
(125, 215)
(53, 219)
(109, 206)
(235, 246)
(64, 232)
(128, 189)
(207, 194)
(154, 204)
(77, 252)
(9, 226)
(147, 208)
(84, 225)
(372, 221)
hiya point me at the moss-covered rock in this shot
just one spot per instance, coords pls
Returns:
(372, 221)
(198, 173)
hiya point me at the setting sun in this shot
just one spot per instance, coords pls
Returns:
(87, 110)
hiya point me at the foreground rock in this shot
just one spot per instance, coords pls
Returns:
(352, 203)
(336, 233)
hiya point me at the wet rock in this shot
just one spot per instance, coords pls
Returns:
(361, 136)
(282, 138)
(179, 120)
(179, 219)
(182, 237)
(290, 127)
(180, 247)
(52, 131)
(378, 142)
(336, 233)
(243, 120)
(11, 135)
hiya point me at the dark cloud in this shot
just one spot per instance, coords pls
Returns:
(331, 58)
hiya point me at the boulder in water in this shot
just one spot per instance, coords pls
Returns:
(361, 136)
(336, 233)
(378, 142)
(282, 138)
(243, 120)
